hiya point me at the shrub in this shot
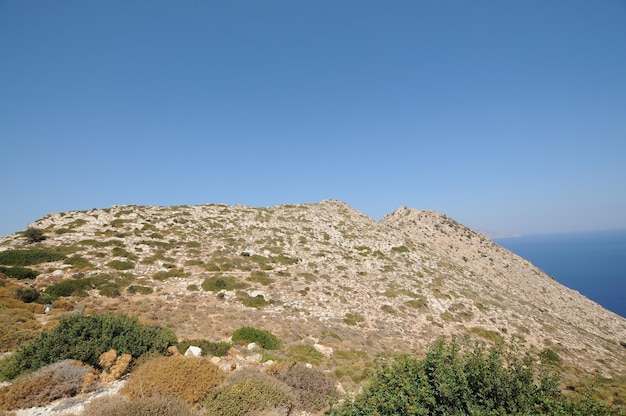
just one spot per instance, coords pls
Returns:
(19, 272)
(63, 379)
(107, 286)
(548, 356)
(260, 277)
(497, 381)
(121, 265)
(216, 349)
(313, 390)
(29, 257)
(353, 318)
(257, 301)
(34, 235)
(78, 262)
(249, 392)
(18, 323)
(217, 283)
(186, 378)
(69, 287)
(144, 290)
(305, 353)
(114, 405)
(264, 338)
(85, 338)
(27, 294)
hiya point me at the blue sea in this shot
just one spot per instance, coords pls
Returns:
(591, 262)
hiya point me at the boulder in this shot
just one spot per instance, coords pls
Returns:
(194, 351)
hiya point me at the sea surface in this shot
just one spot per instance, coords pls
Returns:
(591, 262)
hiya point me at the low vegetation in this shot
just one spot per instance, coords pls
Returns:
(250, 393)
(66, 378)
(263, 338)
(185, 377)
(496, 381)
(85, 338)
(29, 257)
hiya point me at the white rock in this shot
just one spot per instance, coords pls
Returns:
(194, 351)
(326, 351)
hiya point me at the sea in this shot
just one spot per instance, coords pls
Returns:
(591, 262)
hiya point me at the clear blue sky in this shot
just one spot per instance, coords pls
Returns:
(505, 115)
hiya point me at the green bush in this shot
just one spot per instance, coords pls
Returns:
(144, 290)
(498, 381)
(78, 262)
(217, 283)
(260, 277)
(216, 349)
(264, 338)
(257, 301)
(121, 265)
(85, 338)
(19, 272)
(29, 257)
(27, 294)
(34, 235)
(106, 284)
(76, 287)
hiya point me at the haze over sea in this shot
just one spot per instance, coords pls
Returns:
(591, 262)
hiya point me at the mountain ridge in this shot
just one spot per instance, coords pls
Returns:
(324, 273)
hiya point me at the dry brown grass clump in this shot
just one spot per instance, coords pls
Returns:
(187, 378)
(249, 392)
(146, 406)
(113, 366)
(66, 378)
(17, 320)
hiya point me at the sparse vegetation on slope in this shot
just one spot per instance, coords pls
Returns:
(321, 277)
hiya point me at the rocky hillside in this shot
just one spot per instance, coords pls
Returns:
(320, 274)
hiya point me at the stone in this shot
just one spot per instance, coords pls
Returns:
(194, 351)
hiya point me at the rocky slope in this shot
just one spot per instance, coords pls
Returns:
(323, 274)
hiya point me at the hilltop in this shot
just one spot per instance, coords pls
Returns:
(321, 274)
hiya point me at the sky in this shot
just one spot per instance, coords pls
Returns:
(508, 116)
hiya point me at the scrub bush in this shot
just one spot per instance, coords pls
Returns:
(498, 381)
(187, 378)
(216, 349)
(313, 390)
(29, 257)
(248, 392)
(19, 272)
(34, 235)
(264, 338)
(85, 338)
(63, 379)
(114, 405)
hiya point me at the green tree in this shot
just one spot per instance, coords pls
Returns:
(34, 235)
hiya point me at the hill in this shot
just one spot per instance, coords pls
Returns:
(316, 274)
